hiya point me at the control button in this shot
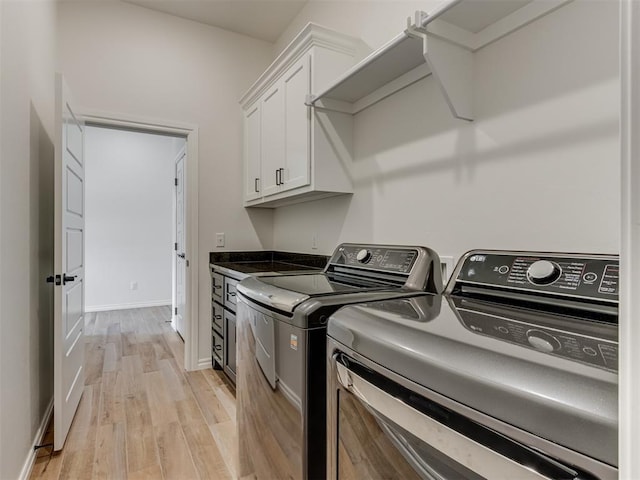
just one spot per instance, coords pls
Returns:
(502, 329)
(543, 272)
(503, 269)
(543, 341)
(363, 256)
(590, 277)
(590, 351)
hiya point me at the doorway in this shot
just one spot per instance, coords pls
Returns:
(144, 271)
(129, 219)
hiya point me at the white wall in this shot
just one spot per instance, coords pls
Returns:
(26, 226)
(126, 59)
(537, 169)
(129, 218)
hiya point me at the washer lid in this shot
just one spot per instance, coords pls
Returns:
(426, 340)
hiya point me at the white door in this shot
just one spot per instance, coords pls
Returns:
(179, 247)
(68, 264)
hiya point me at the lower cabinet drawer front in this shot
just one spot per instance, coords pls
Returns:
(230, 293)
(217, 346)
(217, 314)
(217, 287)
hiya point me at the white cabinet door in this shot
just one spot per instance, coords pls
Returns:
(252, 187)
(296, 85)
(272, 140)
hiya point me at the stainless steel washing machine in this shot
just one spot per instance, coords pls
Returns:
(512, 374)
(281, 384)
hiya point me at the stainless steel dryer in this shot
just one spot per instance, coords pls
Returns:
(512, 374)
(281, 327)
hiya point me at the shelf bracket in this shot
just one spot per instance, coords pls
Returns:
(451, 66)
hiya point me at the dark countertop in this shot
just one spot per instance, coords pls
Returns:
(267, 261)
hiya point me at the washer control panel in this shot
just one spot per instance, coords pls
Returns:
(387, 259)
(555, 341)
(593, 277)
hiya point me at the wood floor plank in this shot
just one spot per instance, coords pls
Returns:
(173, 450)
(161, 405)
(142, 449)
(225, 436)
(141, 415)
(110, 460)
(225, 393)
(111, 358)
(212, 409)
(206, 456)
(112, 406)
(153, 472)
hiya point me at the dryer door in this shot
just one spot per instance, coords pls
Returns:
(384, 430)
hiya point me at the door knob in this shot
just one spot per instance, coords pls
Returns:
(182, 255)
(68, 278)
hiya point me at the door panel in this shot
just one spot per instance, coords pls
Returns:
(75, 250)
(272, 140)
(297, 125)
(75, 193)
(252, 154)
(68, 261)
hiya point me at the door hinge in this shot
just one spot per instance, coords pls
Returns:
(175, 182)
(175, 246)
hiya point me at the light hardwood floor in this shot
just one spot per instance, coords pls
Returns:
(141, 415)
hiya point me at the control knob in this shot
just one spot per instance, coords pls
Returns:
(543, 341)
(363, 256)
(543, 272)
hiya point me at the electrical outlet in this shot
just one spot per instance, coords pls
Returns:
(447, 264)
(219, 239)
(314, 241)
(134, 285)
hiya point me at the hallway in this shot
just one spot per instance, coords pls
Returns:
(141, 415)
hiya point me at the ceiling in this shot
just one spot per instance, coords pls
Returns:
(262, 19)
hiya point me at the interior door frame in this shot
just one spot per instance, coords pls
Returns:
(190, 132)
(629, 327)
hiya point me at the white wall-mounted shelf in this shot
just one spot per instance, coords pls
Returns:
(441, 43)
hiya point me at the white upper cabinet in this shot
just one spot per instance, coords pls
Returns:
(289, 157)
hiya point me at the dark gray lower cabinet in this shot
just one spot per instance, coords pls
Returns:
(223, 323)
(230, 344)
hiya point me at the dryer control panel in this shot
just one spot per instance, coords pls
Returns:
(579, 277)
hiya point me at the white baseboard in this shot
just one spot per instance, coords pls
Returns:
(126, 306)
(204, 363)
(42, 430)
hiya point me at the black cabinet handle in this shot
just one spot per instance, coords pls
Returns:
(255, 184)
(232, 294)
(182, 255)
(217, 287)
(68, 278)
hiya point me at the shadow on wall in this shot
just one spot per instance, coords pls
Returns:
(262, 221)
(41, 218)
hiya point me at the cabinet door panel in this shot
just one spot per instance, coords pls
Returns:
(252, 186)
(272, 140)
(296, 86)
